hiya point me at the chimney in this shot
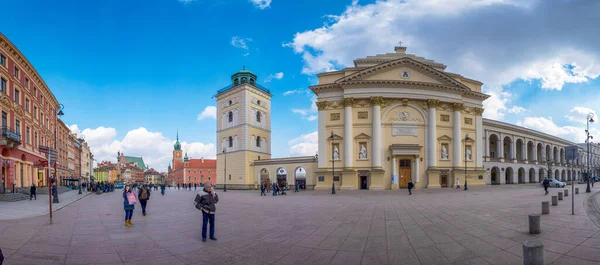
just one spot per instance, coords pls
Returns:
(202, 160)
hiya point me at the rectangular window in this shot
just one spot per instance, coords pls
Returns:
(26, 82)
(17, 94)
(18, 127)
(4, 119)
(321, 178)
(3, 85)
(35, 112)
(16, 72)
(2, 60)
(27, 104)
(27, 135)
(35, 91)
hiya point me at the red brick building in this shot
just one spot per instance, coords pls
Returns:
(28, 110)
(194, 171)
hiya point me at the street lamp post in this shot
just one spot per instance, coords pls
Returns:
(590, 118)
(572, 184)
(332, 166)
(79, 186)
(59, 113)
(225, 171)
(467, 138)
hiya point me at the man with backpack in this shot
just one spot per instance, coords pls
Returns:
(411, 185)
(144, 195)
(546, 184)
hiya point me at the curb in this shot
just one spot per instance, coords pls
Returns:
(592, 210)
(54, 210)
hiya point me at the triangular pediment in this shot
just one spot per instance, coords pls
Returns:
(445, 138)
(362, 136)
(335, 137)
(403, 70)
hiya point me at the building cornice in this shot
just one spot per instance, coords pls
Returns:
(526, 131)
(288, 160)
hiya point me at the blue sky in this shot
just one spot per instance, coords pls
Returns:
(130, 73)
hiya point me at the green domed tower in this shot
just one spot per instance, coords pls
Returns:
(177, 159)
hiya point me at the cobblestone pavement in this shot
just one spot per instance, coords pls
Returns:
(31, 208)
(485, 225)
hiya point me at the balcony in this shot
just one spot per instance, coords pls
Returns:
(10, 138)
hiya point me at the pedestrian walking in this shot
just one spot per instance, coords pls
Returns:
(195, 186)
(263, 188)
(457, 183)
(54, 190)
(144, 195)
(546, 184)
(205, 201)
(274, 189)
(410, 187)
(162, 189)
(129, 200)
(32, 192)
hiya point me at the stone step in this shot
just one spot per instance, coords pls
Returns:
(13, 197)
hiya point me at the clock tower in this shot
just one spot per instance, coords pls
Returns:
(177, 153)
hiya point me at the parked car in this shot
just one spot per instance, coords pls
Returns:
(119, 186)
(556, 183)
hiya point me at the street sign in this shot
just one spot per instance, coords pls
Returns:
(46, 149)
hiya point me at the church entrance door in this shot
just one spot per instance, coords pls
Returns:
(405, 172)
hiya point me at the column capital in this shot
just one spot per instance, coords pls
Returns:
(376, 101)
(433, 103)
(348, 102)
(478, 111)
(323, 105)
(458, 106)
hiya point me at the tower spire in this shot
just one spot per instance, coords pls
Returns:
(177, 134)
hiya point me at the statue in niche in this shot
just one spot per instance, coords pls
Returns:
(363, 152)
(444, 153)
(468, 154)
(336, 153)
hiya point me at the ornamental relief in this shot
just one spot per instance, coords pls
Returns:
(6, 102)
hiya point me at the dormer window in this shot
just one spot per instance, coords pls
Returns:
(258, 116)
(231, 116)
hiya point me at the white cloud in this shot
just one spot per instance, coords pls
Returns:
(547, 125)
(478, 40)
(291, 92)
(302, 112)
(277, 76)
(516, 109)
(185, 2)
(312, 117)
(579, 114)
(153, 147)
(74, 128)
(208, 112)
(262, 4)
(304, 145)
(240, 42)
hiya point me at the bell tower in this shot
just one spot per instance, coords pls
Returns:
(177, 154)
(243, 129)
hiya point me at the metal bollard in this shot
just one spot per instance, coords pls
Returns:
(566, 192)
(576, 190)
(546, 207)
(560, 196)
(534, 224)
(554, 200)
(533, 252)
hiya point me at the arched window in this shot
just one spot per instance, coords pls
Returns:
(258, 141)
(236, 82)
(252, 81)
(230, 142)
(244, 80)
(258, 116)
(231, 116)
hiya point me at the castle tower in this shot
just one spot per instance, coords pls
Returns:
(177, 154)
(243, 129)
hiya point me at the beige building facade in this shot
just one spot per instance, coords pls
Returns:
(391, 119)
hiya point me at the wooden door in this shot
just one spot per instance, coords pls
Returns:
(444, 181)
(405, 173)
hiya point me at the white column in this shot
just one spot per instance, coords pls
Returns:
(500, 147)
(394, 170)
(534, 151)
(376, 132)
(416, 179)
(524, 150)
(513, 149)
(431, 134)
(479, 140)
(322, 138)
(456, 136)
(348, 142)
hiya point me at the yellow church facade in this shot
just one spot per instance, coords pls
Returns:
(390, 119)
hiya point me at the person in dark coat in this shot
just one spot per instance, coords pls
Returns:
(410, 187)
(54, 190)
(263, 188)
(144, 196)
(546, 184)
(32, 192)
(205, 202)
(128, 207)
(162, 189)
(274, 189)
